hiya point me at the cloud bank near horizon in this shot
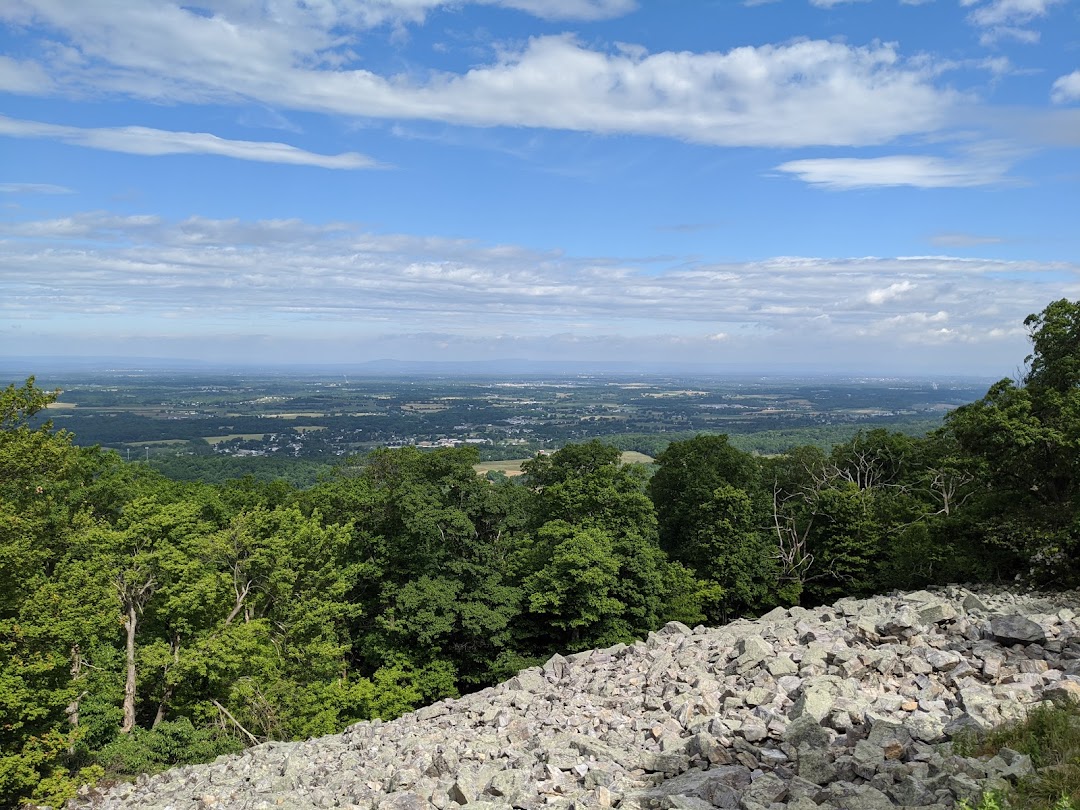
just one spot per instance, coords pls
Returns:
(340, 284)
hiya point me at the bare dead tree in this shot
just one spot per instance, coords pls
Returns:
(792, 538)
(228, 715)
(135, 587)
(946, 485)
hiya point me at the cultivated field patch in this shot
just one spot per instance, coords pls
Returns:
(512, 466)
(231, 436)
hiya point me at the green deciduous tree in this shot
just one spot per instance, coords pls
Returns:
(592, 521)
(688, 473)
(1054, 362)
(46, 495)
(713, 518)
(431, 540)
(573, 590)
(1026, 436)
(727, 546)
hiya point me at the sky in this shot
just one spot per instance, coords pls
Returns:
(864, 186)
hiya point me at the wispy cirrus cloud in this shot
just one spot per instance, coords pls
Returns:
(1008, 12)
(1008, 19)
(918, 171)
(34, 188)
(304, 18)
(963, 240)
(567, 9)
(147, 141)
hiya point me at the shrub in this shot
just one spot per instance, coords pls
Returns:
(171, 743)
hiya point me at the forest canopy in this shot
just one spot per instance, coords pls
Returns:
(146, 622)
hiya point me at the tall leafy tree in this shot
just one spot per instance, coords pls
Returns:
(846, 542)
(46, 494)
(1027, 436)
(687, 474)
(727, 546)
(712, 517)
(575, 589)
(1054, 362)
(592, 521)
(432, 539)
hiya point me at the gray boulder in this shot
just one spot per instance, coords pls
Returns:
(1014, 629)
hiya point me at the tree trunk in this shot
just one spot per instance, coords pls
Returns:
(162, 706)
(170, 688)
(72, 710)
(129, 684)
(76, 670)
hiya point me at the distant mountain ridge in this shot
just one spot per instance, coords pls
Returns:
(16, 366)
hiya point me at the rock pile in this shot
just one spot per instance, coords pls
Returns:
(846, 707)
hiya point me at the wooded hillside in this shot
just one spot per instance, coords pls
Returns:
(146, 622)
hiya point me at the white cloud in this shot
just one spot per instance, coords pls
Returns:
(919, 171)
(569, 9)
(288, 291)
(1025, 36)
(810, 92)
(1004, 19)
(799, 93)
(963, 240)
(145, 141)
(34, 188)
(883, 295)
(25, 76)
(931, 329)
(1008, 12)
(1066, 88)
(906, 320)
(103, 273)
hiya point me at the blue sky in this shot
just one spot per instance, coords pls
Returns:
(882, 186)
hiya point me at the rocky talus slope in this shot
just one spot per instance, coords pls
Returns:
(844, 707)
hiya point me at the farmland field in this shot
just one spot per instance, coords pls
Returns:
(506, 419)
(510, 467)
(231, 436)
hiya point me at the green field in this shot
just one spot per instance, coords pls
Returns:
(247, 436)
(512, 467)
(761, 416)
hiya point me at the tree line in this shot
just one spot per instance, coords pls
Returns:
(146, 622)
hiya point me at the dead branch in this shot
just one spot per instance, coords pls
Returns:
(254, 740)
